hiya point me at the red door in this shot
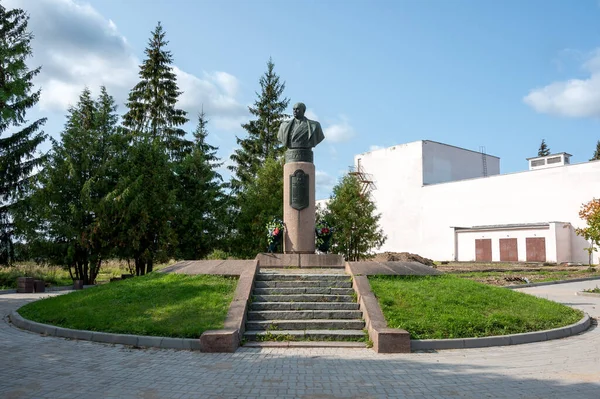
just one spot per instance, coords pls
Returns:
(536, 249)
(508, 250)
(483, 250)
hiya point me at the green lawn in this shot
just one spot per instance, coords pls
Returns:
(170, 305)
(441, 307)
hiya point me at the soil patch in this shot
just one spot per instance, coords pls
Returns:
(402, 257)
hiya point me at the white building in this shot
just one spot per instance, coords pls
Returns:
(449, 203)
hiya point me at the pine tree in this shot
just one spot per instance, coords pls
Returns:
(18, 139)
(200, 223)
(596, 155)
(543, 150)
(355, 224)
(151, 105)
(261, 142)
(72, 186)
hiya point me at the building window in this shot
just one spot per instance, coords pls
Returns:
(538, 162)
(567, 161)
(554, 160)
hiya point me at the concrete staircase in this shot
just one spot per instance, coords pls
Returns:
(307, 306)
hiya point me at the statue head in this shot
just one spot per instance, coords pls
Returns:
(299, 110)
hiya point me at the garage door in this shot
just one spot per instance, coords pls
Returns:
(483, 250)
(508, 250)
(536, 249)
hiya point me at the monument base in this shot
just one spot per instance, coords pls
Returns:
(299, 212)
(305, 261)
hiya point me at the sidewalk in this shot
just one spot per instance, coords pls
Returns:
(47, 367)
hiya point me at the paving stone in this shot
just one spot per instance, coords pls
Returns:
(38, 366)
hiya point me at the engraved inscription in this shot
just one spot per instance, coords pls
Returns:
(299, 190)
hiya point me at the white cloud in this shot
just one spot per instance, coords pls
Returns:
(324, 182)
(216, 94)
(78, 47)
(571, 98)
(339, 131)
(310, 114)
(375, 148)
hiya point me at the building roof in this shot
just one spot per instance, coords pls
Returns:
(430, 141)
(551, 155)
(504, 226)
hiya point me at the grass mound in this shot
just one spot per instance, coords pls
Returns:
(169, 305)
(442, 307)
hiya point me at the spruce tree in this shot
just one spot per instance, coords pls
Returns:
(71, 188)
(543, 150)
(151, 105)
(18, 138)
(261, 142)
(145, 198)
(200, 221)
(596, 155)
(259, 203)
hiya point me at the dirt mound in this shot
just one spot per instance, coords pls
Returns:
(402, 257)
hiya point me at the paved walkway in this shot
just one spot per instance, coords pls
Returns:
(33, 366)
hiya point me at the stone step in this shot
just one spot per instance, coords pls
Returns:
(304, 306)
(327, 324)
(306, 344)
(299, 335)
(301, 277)
(302, 283)
(303, 298)
(303, 314)
(303, 290)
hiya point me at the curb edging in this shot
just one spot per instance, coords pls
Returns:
(503, 340)
(575, 280)
(102, 337)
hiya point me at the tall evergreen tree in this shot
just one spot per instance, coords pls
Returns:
(144, 201)
(353, 216)
(151, 105)
(71, 187)
(200, 217)
(142, 207)
(18, 138)
(261, 142)
(543, 150)
(596, 155)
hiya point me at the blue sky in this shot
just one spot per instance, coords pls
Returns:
(500, 74)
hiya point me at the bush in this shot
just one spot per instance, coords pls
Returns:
(218, 254)
(50, 274)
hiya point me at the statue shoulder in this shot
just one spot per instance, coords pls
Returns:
(284, 124)
(314, 124)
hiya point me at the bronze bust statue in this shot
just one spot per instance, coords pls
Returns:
(300, 132)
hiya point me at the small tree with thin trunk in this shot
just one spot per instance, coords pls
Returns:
(352, 214)
(590, 212)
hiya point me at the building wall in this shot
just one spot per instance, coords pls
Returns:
(398, 175)
(466, 242)
(564, 236)
(419, 218)
(524, 197)
(444, 163)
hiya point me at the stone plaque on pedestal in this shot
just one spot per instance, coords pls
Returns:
(299, 189)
